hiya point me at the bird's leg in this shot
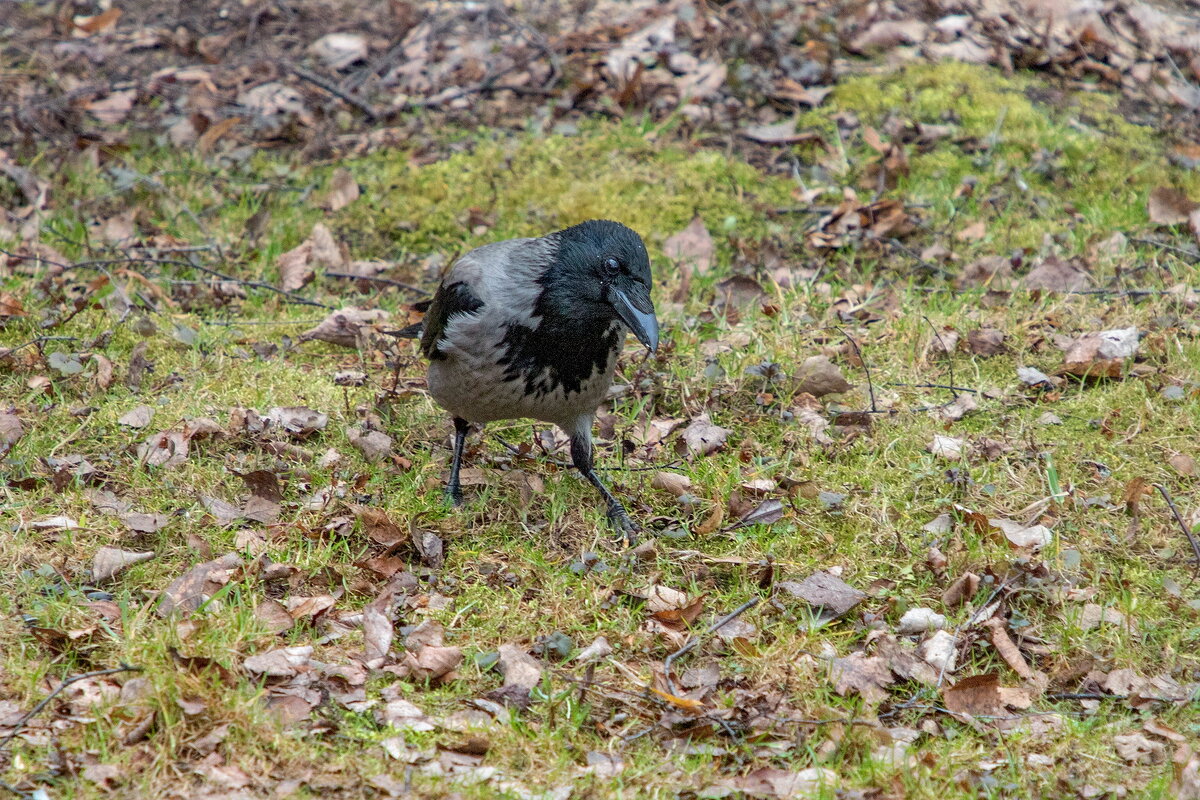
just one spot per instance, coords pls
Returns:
(453, 488)
(581, 455)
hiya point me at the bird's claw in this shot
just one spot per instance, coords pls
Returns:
(619, 519)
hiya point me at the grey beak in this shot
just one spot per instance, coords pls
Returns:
(643, 323)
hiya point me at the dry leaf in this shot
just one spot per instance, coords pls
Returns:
(672, 482)
(11, 431)
(983, 696)
(701, 437)
(818, 376)
(692, 247)
(374, 445)
(825, 591)
(284, 662)
(946, 447)
(266, 497)
(1137, 748)
(137, 417)
(108, 561)
(1056, 275)
(196, 586)
(1167, 206)
(1034, 537)
(345, 327)
(782, 132)
(868, 676)
(962, 590)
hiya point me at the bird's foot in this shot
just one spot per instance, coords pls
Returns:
(619, 519)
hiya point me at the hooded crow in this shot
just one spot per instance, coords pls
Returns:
(532, 328)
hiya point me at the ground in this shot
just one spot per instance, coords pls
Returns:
(921, 435)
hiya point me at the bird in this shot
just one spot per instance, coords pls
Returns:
(531, 328)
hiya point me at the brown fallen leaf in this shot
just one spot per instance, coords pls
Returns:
(374, 445)
(983, 696)
(818, 376)
(687, 705)
(1008, 650)
(108, 561)
(782, 132)
(137, 417)
(11, 431)
(273, 616)
(1183, 464)
(1167, 206)
(426, 656)
(379, 526)
(284, 662)
(1056, 275)
(196, 586)
(825, 591)
(1137, 748)
(858, 673)
(343, 190)
(701, 437)
(1101, 354)
(680, 619)
(521, 673)
(266, 497)
(692, 247)
(986, 342)
(672, 482)
(962, 590)
(777, 784)
(345, 327)
(1186, 783)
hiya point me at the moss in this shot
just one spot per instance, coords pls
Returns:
(528, 185)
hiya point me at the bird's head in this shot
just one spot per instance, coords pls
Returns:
(603, 270)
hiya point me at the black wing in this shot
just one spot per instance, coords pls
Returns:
(451, 299)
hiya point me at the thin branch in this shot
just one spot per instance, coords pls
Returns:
(863, 361)
(45, 701)
(949, 355)
(99, 264)
(691, 643)
(316, 80)
(384, 281)
(1183, 251)
(933, 386)
(1182, 525)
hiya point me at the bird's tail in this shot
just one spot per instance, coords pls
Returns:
(411, 332)
(415, 330)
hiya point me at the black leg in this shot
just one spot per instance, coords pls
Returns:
(581, 455)
(453, 489)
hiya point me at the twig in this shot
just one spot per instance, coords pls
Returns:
(1183, 251)
(1182, 525)
(45, 701)
(384, 281)
(98, 264)
(863, 361)
(949, 355)
(1086, 696)
(933, 386)
(9, 351)
(316, 80)
(691, 643)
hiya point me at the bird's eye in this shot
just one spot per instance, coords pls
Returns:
(612, 267)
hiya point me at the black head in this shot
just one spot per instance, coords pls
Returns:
(603, 271)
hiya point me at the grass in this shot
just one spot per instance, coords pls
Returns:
(1055, 178)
